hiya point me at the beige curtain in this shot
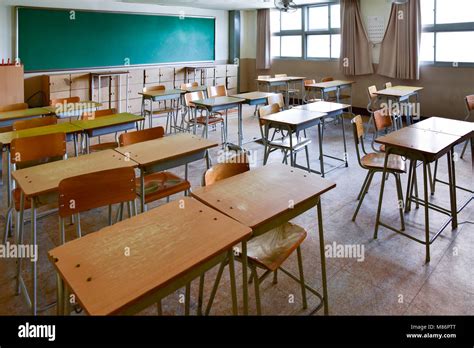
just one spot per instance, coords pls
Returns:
(264, 36)
(400, 48)
(356, 53)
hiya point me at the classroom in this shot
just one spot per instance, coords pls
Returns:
(237, 158)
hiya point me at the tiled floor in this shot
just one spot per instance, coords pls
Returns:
(391, 279)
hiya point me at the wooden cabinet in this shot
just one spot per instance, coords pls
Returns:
(12, 86)
(220, 81)
(220, 71)
(136, 76)
(232, 70)
(152, 76)
(166, 75)
(231, 82)
(80, 81)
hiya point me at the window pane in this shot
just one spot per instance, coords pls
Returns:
(291, 46)
(335, 16)
(318, 46)
(275, 46)
(427, 47)
(318, 18)
(455, 47)
(427, 12)
(291, 20)
(335, 46)
(458, 11)
(274, 21)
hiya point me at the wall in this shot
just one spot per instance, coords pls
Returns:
(248, 49)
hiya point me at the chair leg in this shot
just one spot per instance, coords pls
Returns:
(463, 152)
(159, 308)
(409, 187)
(8, 223)
(78, 226)
(363, 186)
(110, 215)
(257, 289)
(400, 200)
(307, 158)
(302, 282)
(430, 179)
(62, 234)
(215, 287)
(435, 174)
(275, 277)
(365, 190)
(201, 294)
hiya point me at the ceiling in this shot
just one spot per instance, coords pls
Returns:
(219, 4)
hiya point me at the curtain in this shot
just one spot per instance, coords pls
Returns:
(264, 36)
(400, 48)
(356, 53)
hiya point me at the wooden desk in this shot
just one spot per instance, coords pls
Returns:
(222, 104)
(331, 86)
(67, 110)
(195, 89)
(401, 94)
(173, 95)
(426, 146)
(107, 125)
(283, 81)
(260, 200)
(166, 153)
(168, 250)
(254, 98)
(8, 117)
(331, 110)
(42, 180)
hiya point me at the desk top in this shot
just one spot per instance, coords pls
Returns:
(26, 113)
(65, 108)
(293, 117)
(194, 89)
(398, 91)
(282, 79)
(330, 84)
(253, 95)
(166, 148)
(65, 127)
(323, 106)
(110, 73)
(218, 101)
(446, 126)
(418, 140)
(162, 93)
(165, 244)
(258, 196)
(107, 121)
(46, 177)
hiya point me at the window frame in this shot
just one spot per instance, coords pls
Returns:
(304, 32)
(444, 28)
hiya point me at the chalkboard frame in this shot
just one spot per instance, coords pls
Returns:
(105, 67)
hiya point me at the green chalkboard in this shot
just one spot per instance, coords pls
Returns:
(50, 39)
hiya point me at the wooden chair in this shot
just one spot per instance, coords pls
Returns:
(70, 100)
(292, 92)
(217, 91)
(310, 94)
(90, 191)
(388, 85)
(209, 120)
(27, 152)
(86, 116)
(382, 124)
(276, 99)
(11, 107)
(163, 108)
(158, 185)
(266, 252)
(35, 122)
(374, 163)
(189, 85)
(290, 143)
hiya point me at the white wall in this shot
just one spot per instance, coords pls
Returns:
(248, 35)
(375, 8)
(7, 22)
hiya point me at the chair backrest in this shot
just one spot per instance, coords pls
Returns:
(382, 119)
(469, 103)
(35, 122)
(280, 75)
(98, 113)
(276, 99)
(371, 90)
(309, 82)
(388, 85)
(89, 191)
(358, 128)
(189, 85)
(141, 135)
(263, 77)
(154, 88)
(190, 97)
(238, 164)
(13, 107)
(268, 110)
(69, 100)
(29, 151)
(217, 91)
(327, 79)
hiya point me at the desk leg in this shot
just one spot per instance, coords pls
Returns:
(76, 151)
(245, 278)
(150, 120)
(86, 137)
(323, 258)
(344, 140)
(382, 188)
(9, 178)
(233, 288)
(60, 295)
(452, 188)
(195, 120)
(287, 95)
(142, 190)
(321, 156)
(19, 241)
(241, 136)
(34, 298)
(427, 210)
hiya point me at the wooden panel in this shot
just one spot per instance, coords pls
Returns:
(221, 70)
(121, 281)
(232, 70)
(209, 82)
(152, 76)
(104, 94)
(136, 76)
(59, 83)
(133, 91)
(59, 95)
(220, 81)
(134, 106)
(80, 81)
(11, 85)
(166, 74)
(210, 73)
(232, 82)
(83, 94)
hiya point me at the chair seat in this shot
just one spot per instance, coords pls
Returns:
(212, 120)
(161, 185)
(284, 142)
(377, 160)
(103, 146)
(272, 248)
(341, 96)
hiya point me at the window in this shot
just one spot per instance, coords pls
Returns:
(311, 32)
(448, 32)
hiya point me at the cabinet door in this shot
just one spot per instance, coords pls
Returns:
(231, 82)
(83, 94)
(104, 95)
(59, 83)
(152, 76)
(210, 73)
(179, 74)
(221, 71)
(136, 76)
(232, 91)
(166, 75)
(80, 81)
(59, 95)
(209, 82)
(220, 81)
(232, 70)
(178, 83)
